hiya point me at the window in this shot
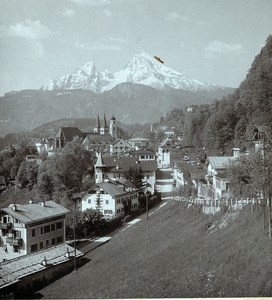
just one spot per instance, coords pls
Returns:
(47, 242)
(4, 232)
(59, 225)
(53, 241)
(89, 200)
(41, 245)
(47, 229)
(59, 239)
(41, 230)
(15, 249)
(107, 201)
(118, 210)
(34, 248)
(142, 157)
(18, 234)
(53, 227)
(33, 232)
(147, 176)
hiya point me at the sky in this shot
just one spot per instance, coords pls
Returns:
(212, 41)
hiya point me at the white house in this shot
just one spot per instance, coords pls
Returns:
(30, 228)
(216, 172)
(111, 198)
(120, 147)
(163, 154)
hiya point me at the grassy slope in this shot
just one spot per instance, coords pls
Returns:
(174, 254)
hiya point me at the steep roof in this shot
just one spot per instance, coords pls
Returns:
(68, 133)
(30, 213)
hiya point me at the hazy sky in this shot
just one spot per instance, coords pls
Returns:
(208, 40)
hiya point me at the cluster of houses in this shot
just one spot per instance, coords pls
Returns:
(33, 235)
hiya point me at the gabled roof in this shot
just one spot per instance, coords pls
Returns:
(14, 269)
(94, 138)
(30, 213)
(220, 162)
(109, 188)
(68, 133)
(121, 142)
(123, 164)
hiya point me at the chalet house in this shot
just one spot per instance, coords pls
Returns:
(120, 147)
(111, 198)
(31, 227)
(111, 167)
(216, 172)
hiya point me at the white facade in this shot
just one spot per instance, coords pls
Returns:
(110, 206)
(20, 235)
(120, 147)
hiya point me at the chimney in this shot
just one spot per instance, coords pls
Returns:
(44, 262)
(30, 201)
(43, 203)
(14, 207)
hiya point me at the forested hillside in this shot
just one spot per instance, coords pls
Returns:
(229, 123)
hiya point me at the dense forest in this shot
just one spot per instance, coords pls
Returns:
(229, 122)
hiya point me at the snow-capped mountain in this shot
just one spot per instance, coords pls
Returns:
(142, 69)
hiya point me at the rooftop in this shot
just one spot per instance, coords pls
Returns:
(220, 162)
(68, 133)
(12, 270)
(30, 213)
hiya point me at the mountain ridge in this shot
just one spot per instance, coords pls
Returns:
(142, 69)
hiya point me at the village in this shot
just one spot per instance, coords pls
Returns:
(33, 238)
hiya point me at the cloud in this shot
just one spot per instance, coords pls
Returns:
(108, 43)
(174, 16)
(221, 48)
(27, 29)
(90, 2)
(107, 12)
(68, 12)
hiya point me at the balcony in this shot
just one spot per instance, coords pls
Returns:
(5, 225)
(14, 241)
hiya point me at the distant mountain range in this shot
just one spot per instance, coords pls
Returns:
(142, 92)
(142, 69)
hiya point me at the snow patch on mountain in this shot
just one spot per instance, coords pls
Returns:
(142, 69)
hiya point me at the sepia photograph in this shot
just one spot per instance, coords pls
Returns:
(135, 149)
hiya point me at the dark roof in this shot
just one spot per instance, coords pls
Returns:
(109, 188)
(123, 164)
(94, 138)
(30, 213)
(68, 133)
(142, 152)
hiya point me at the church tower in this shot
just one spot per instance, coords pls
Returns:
(104, 129)
(113, 128)
(99, 169)
(97, 125)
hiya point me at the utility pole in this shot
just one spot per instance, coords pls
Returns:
(146, 202)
